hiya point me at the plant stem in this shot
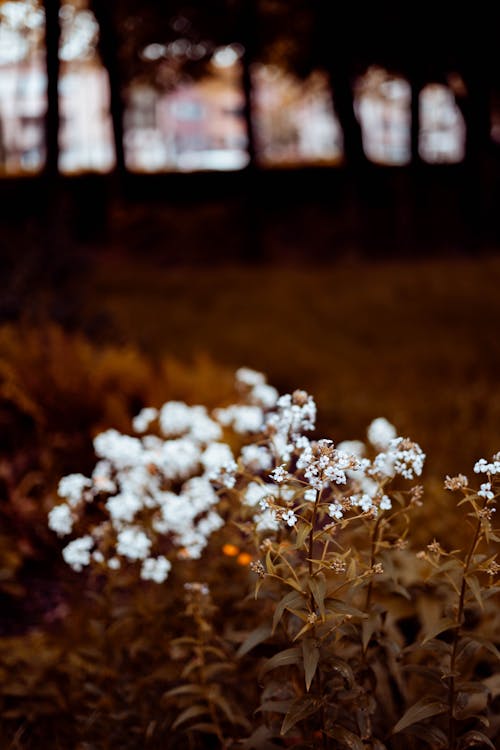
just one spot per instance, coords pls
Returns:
(311, 533)
(373, 553)
(460, 612)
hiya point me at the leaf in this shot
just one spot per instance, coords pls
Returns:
(368, 627)
(302, 532)
(345, 737)
(278, 707)
(440, 626)
(253, 639)
(259, 740)
(422, 709)
(476, 589)
(301, 709)
(282, 659)
(270, 567)
(183, 690)
(345, 670)
(310, 652)
(488, 645)
(339, 607)
(292, 599)
(205, 727)
(429, 734)
(189, 713)
(318, 590)
(475, 739)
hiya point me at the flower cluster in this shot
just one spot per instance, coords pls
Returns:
(159, 492)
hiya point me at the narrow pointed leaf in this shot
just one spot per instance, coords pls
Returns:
(318, 590)
(282, 659)
(445, 623)
(423, 709)
(190, 713)
(310, 652)
(301, 709)
(292, 599)
(476, 589)
(475, 739)
(253, 639)
(345, 737)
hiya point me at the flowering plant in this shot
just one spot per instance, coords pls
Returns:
(359, 640)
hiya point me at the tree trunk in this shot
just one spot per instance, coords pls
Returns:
(52, 37)
(108, 47)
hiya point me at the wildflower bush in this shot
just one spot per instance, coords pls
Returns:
(236, 581)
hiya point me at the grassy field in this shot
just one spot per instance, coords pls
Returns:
(417, 342)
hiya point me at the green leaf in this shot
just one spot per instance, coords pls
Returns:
(189, 713)
(310, 652)
(345, 737)
(292, 599)
(475, 739)
(440, 626)
(422, 709)
(253, 639)
(282, 659)
(301, 709)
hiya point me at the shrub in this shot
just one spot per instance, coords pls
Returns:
(245, 585)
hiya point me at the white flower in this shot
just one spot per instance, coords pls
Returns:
(120, 450)
(336, 511)
(133, 543)
(483, 467)
(385, 503)
(61, 520)
(381, 432)
(280, 474)
(310, 495)
(114, 563)
(155, 569)
(141, 422)
(243, 419)
(290, 517)
(101, 478)
(123, 507)
(216, 456)
(72, 487)
(256, 457)
(266, 521)
(256, 492)
(485, 491)
(249, 377)
(175, 418)
(264, 395)
(77, 553)
(352, 447)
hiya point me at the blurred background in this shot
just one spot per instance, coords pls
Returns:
(303, 187)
